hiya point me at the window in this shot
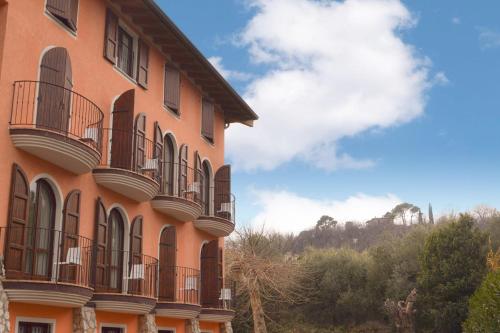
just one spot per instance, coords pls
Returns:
(207, 120)
(28, 327)
(125, 52)
(165, 331)
(65, 11)
(172, 89)
(112, 330)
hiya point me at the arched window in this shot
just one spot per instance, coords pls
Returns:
(210, 279)
(54, 92)
(205, 188)
(115, 250)
(167, 264)
(122, 132)
(169, 165)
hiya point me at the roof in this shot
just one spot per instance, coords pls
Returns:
(163, 32)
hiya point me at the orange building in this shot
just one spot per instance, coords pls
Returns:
(116, 197)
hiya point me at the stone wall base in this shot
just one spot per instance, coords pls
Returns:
(147, 324)
(84, 320)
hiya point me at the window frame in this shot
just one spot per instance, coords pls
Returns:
(36, 320)
(175, 113)
(210, 141)
(123, 327)
(135, 48)
(60, 22)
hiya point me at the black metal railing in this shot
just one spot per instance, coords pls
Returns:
(40, 254)
(227, 295)
(222, 205)
(117, 271)
(132, 151)
(179, 285)
(43, 105)
(182, 181)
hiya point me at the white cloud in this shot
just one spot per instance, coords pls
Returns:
(440, 79)
(456, 20)
(286, 212)
(488, 38)
(334, 70)
(226, 73)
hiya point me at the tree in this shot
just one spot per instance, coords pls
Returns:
(431, 215)
(452, 267)
(256, 261)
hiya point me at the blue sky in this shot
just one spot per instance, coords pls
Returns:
(443, 151)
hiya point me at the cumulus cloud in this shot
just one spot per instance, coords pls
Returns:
(226, 73)
(286, 212)
(333, 69)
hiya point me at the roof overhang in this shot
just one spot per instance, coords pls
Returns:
(169, 39)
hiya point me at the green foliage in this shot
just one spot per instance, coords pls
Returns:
(484, 306)
(452, 266)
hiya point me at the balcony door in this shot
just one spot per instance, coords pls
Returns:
(205, 188)
(54, 91)
(168, 167)
(167, 264)
(122, 132)
(115, 251)
(210, 282)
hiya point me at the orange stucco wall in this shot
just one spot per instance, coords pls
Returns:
(62, 316)
(30, 31)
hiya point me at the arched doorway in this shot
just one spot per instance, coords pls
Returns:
(115, 251)
(211, 274)
(54, 91)
(122, 132)
(168, 249)
(205, 188)
(169, 165)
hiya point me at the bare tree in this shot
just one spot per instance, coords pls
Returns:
(262, 273)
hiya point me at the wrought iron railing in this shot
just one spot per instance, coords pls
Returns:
(222, 205)
(40, 254)
(179, 285)
(132, 151)
(182, 181)
(117, 271)
(46, 106)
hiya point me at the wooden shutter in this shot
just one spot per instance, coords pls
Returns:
(143, 65)
(207, 120)
(222, 190)
(183, 169)
(111, 36)
(15, 243)
(53, 106)
(158, 150)
(122, 133)
(168, 249)
(168, 167)
(136, 285)
(65, 10)
(198, 176)
(210, 289)
(172, 88)
(71, 225)
(100, 246)
(140, 141)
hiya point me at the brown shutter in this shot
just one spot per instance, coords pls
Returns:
(168, 248)
(210, 290)
(65, 10)
(207, 120)
(136, 285)
(183, 169)
(122, 133)
(222, 190)
(143, 65)
(100, 244)
(140, 141)
(53, 101)
(198, 176)
(172, 88)
(71, 225)
(15, 243)
(111, 36)
(158, 150)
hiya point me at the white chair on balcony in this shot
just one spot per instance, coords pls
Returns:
(73, 257)
(226, 207)
(136, 272)
(225, 297)
(151, 164)
(191, 283)
(193, 188)
(91, 135)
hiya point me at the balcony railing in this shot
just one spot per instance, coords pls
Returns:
(39, 254)
(131, 151)
(179, 285)
(46, 106)
(118, 271)
(221, 205)
(227, 295)
(182, 181)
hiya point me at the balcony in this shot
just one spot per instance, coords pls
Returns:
(179, 295)
(46, 267)
(219, 310)
(180, 195)
(125, 283)
(129, 165)
(218, 217)
(57, 125)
